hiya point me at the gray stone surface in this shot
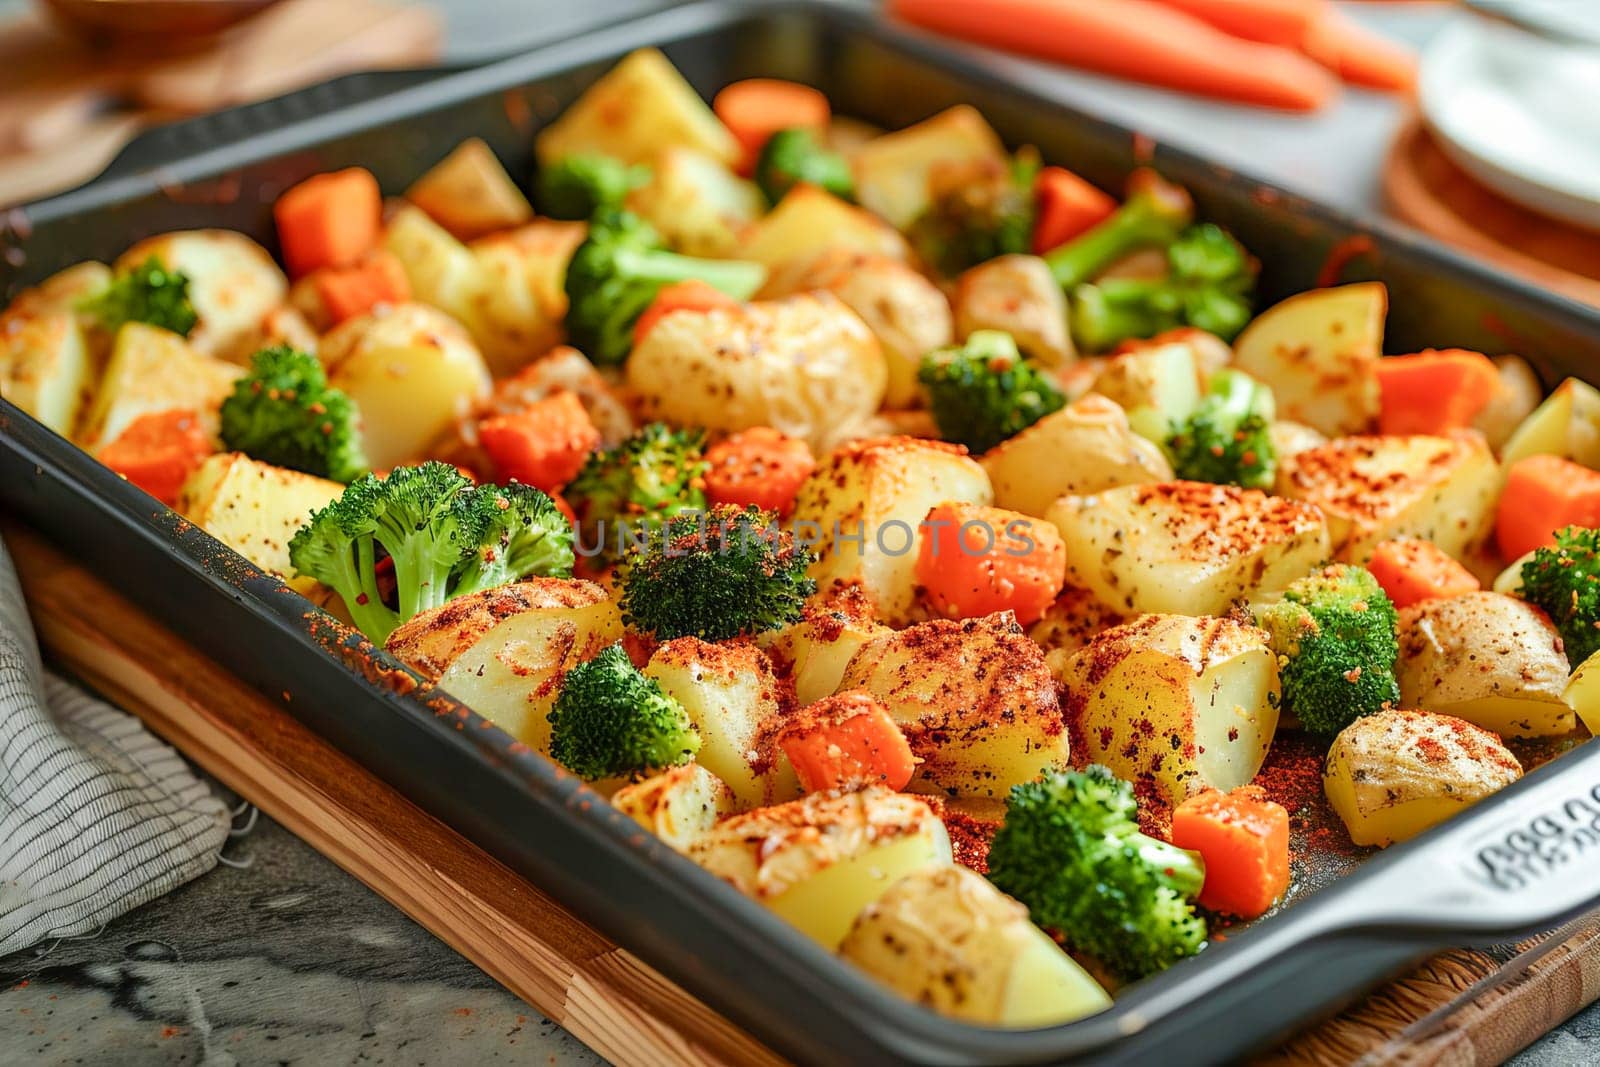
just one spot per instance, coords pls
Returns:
(292, 961)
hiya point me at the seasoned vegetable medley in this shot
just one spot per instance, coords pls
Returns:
(924, 541)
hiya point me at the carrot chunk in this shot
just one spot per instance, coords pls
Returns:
(1412, 571)
(1544, 494)
(692, 295)
(755, 109)
(329, 220)
(1244, 839)
(758, 467)
(978, 560)
(846, 741)
(158, 452)
(1065, 206)
(543, 445)
(350, 291)
(1434, 391)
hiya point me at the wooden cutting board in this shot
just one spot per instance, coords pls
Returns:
(67, 107)
(1461, 1009)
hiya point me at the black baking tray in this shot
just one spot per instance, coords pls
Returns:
(1524, 860)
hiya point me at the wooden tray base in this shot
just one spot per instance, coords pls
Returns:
(1460, 1008)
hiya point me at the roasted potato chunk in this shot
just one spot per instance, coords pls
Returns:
(818, 861)
(504, 651)
(1492, 660)
(521, 302)
(814, 652)
(809, 221)
(865, 503)
(1392, 775)
(945, 937)
(1567, 424)
(1186, 548)
(154, 370)
(1072, 622)
(698, 205)
(469, 193)
(1016, 294)
(731, 696)
(233, 285)
(640, 108)
(1318, 351)
(411, 370)
(1375, 489)
(679, 805)
(1086, 447)
(974, 698)
(255, 508)
(892, 172)
(1186, 703)
(803, 365)
(1157, 385)
(904, 310)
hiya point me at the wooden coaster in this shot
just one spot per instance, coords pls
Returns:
(1426, 188)
(1460, 1008)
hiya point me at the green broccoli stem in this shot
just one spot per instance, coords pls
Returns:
(357, 585)
(1153, 215)
(737, 278)
(1185, 868)
(1104, 314)
(422, 578)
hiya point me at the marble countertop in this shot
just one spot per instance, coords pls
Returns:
(289, 960)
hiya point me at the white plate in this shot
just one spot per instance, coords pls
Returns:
(1519, 113)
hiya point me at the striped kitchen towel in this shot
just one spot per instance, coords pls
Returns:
(96, 815)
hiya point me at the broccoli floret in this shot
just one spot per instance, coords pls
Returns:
(575, 187)
(283, 412)
(625, 493)
(1153, 214)
(616, 273)
(982, 391)
(715, 575)
(1208, 286)
(1565, 582)
(793, 156)
(1228, 439)
(982, 215)
(610, 720)
(520, 531)
(1335, 634)
(444, 537)
(149, 293)
(1071, 850)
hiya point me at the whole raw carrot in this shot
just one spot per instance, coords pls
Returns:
(1270, 21)
(1357, 54)
(1139, 39)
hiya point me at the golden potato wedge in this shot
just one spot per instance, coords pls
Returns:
(698, 205)
(818, 861)
(892, 171)
(1583, 693)
(1019, 295)
(1186, 703)
(804, 365)
(1392, 775)
(809, 221)
(1157, 385)
(411, 371)
(864, 504)
(1380, 488)
(731, 696)
(974, 698)
(1493, 660)
(947, 938)
(46, 367)
(1318, 352)
(678, 805)
(1069, 624)
(522, 299)
(1292, 438)
(255, 509)
(1086, 447)
(1567, 424)
(814, 652)
(233, 285)
(1186, 548)
(154, 370)
(469, 193)
(442, 271)
(1518, 396)
(638, 109)
(906, 312)
(504, 651)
